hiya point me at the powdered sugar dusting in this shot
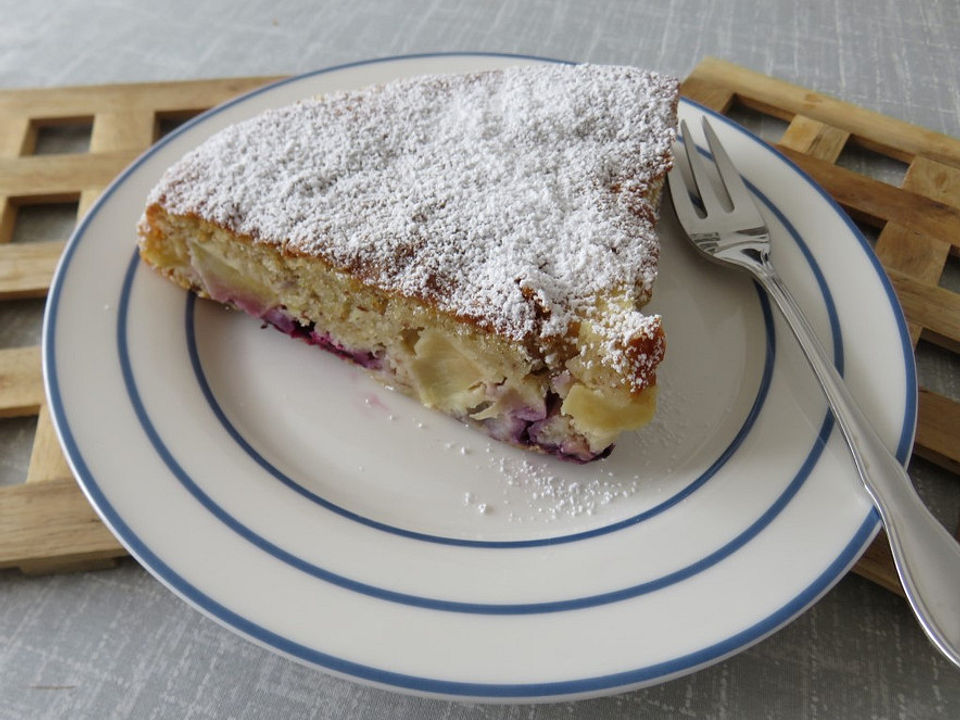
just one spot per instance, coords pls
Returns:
(513, 198)
(536, 490)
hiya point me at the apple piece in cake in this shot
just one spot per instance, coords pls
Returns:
(482, 242)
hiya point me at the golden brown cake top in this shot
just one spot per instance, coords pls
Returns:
(518, 199)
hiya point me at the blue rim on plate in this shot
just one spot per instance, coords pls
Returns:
(432, 685)
(763, 520)
(276, 473)
(433, 603)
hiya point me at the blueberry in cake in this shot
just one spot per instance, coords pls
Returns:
(483, 242)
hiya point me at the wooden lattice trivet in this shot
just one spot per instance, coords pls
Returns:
(46, 524)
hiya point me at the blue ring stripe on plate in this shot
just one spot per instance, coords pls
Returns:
(468, 607)
(271, 469)
(426, 602)
(244, 444)
(686, 662)
(172, 579)
(436, 603)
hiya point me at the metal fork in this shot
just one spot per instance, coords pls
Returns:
(926, 556)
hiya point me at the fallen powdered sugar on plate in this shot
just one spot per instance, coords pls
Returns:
(537, 488)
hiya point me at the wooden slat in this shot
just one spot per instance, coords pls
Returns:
(707, 93)
(814, 138)
(8, 218)
(123, 130)
(87, 198)
(46, 525)
(56, 178)
(18, 135)
(917, 256)
(51, 522)
(21, 382)
(70, 103)
(881, 133)
(85, 563)
(908, 252)
(934, 179)
(948, 344)
(930, 306)
(877, 202)
(46, 459)
(937, 430)
(876, 565)
(26, 270)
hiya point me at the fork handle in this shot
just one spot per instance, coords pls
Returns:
(926, 556)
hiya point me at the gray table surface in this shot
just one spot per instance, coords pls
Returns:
(116, 643)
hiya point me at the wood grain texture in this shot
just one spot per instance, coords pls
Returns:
(60, 178)
(930, 306)
(934, 179)
(814, 138)
(707, 93)
(18, 134)
(876, 203)
(123, 130)
(67, 104)
(71, 529)
(912, 255)
(87, 198)
(26, 270)
(8, 219)
(21, 382)
(937, 430)
(46, 458)
(873, 130)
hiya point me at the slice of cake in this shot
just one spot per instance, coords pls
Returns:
(481, 242)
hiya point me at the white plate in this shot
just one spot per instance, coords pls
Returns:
(286, 495)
